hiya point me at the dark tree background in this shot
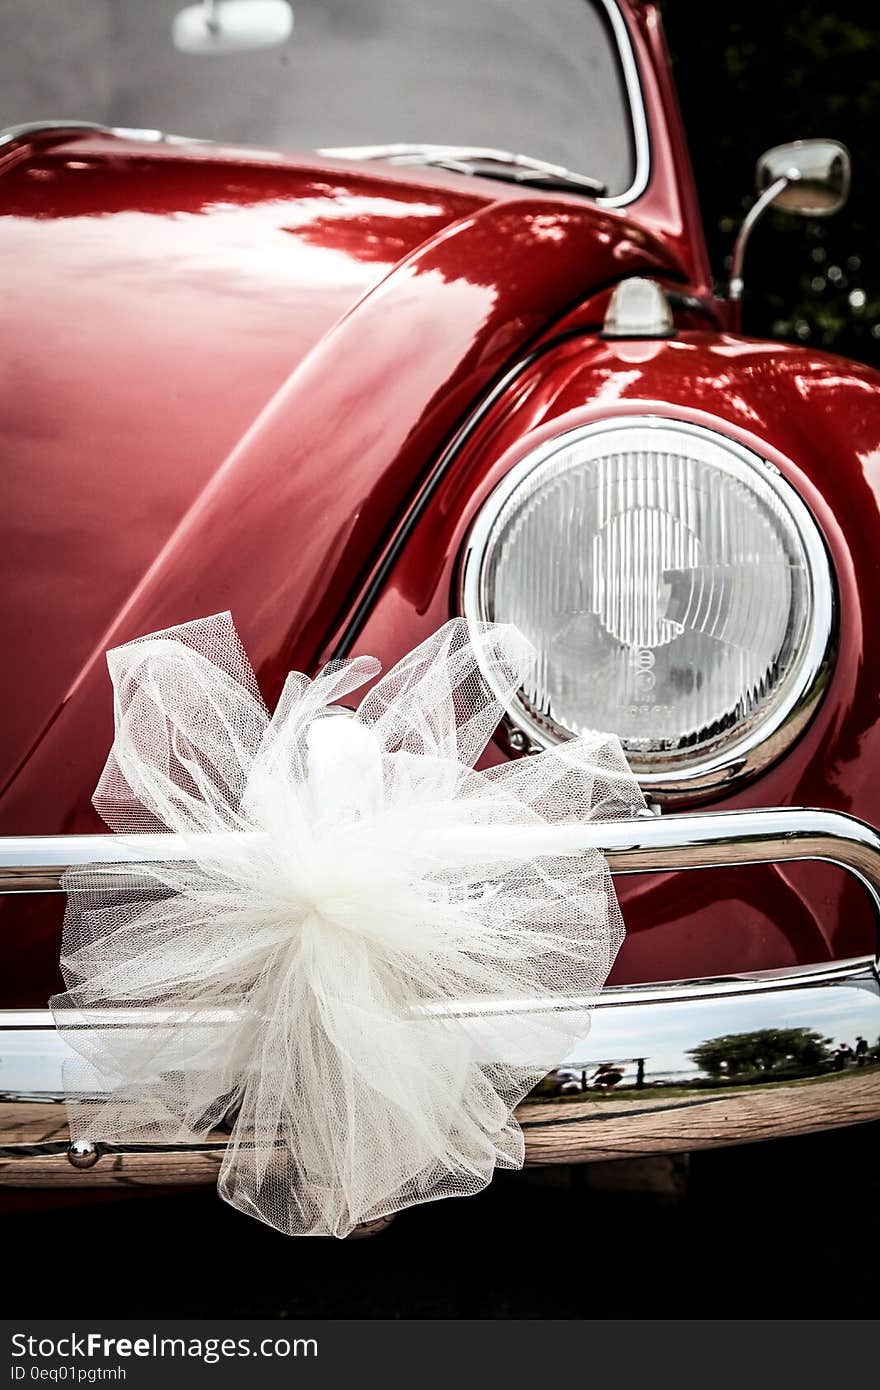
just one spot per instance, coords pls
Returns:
(755, 73)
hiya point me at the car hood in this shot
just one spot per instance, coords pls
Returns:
(224, 373)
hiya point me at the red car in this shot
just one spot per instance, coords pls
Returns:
(350, 394)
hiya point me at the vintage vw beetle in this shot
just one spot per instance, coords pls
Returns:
(352, 393)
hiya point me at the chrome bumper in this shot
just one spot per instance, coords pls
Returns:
(666, 1068)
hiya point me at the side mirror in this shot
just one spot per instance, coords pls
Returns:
(816, 174)
(809, 178)
(232, 26)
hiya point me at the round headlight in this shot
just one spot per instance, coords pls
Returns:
(676, 588)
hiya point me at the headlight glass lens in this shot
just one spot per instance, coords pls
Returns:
(674, 584)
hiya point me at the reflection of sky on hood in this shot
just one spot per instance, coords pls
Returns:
(839, 1012)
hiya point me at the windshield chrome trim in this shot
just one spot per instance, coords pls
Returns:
(29, 130)
(638, 114)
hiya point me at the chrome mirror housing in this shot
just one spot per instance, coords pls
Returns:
(809, 178)
(816, 176)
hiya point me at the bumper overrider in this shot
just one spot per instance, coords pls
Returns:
(671, 1067)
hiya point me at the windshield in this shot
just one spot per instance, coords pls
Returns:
(540, 77)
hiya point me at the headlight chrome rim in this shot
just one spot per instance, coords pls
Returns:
(764, 740)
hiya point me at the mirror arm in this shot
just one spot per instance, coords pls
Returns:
(755, 212)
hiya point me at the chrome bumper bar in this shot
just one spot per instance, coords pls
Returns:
(666, 1068)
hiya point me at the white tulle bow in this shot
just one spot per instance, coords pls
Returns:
(370, 952)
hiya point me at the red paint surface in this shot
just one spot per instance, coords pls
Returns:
(152, 307)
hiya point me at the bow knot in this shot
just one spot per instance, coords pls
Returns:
(373, 952)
